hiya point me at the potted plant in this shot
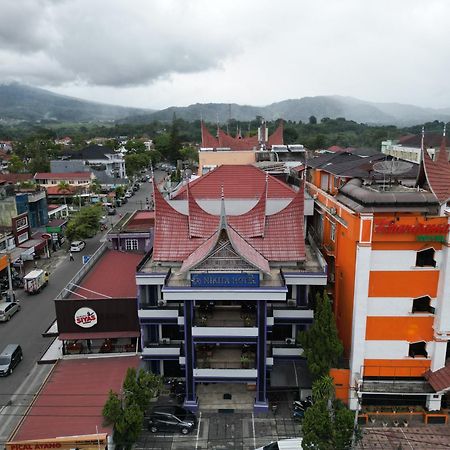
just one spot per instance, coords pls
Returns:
(245, 361)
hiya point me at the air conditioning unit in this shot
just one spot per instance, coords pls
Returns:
(291, 302)
(333, 211)
(162, 303)
(164, 341)
(289, 341)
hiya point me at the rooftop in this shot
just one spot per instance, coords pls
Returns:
(72, 399)
(137, 222)
(62, 176)
(113, 275)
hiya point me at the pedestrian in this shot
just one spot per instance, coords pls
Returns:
(71, 257)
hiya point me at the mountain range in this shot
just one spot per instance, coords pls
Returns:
(26, 103)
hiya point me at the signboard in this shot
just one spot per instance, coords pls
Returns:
(86, 258)
(225, 280)
(390, 226)
(85, 317)
(88, 441)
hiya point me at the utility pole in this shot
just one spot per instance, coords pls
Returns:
(10, 295)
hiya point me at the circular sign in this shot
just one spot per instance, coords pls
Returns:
(85, 317)
(46, 236)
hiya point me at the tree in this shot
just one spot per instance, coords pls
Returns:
(95, 186)
(312, 120)
(85, 223)
(136, 161)
(321, 343)
(328, 423)
(15, 164)
(64, 188)
(127, 415)
(189, 153)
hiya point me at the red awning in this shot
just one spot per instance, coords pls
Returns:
(98, 335)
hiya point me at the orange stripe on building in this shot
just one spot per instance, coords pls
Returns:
(414, 283)
(411, 329)
(395, 367)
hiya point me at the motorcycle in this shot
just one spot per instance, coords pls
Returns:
(299, 408)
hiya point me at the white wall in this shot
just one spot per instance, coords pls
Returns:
(393, 306)
(399, 260)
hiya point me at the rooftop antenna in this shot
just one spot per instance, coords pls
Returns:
(392, 168)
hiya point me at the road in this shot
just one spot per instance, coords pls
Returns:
(36, 315)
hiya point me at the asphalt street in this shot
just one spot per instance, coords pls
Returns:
(36, 315)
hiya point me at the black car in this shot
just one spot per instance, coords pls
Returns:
(171, 418)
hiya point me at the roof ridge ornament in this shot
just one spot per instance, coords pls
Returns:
(223, 215)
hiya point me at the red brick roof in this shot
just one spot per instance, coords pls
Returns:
(224, 140)
(63, 176)
(113, 275)
(72, 399)
(55, 190)
(141, 221)
(238, 181)
(277, 237)
(438, 173)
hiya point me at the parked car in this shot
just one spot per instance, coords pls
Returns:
(124, 200)
(9, 358)
(171, 418)
(128, 194)
(112, 211)
(7, 310)
(77, 246)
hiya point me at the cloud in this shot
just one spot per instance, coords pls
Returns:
(114, 43)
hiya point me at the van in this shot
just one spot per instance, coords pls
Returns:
(9, 358)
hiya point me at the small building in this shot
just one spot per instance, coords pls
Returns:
(134, 232)
(74, 179)
(97, 311)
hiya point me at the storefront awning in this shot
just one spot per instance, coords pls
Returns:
(98, 335)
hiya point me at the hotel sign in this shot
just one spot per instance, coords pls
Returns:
(392, 227)
(225, 280)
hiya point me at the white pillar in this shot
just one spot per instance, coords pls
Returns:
(359, 319)
(438, 358)
(434, 402)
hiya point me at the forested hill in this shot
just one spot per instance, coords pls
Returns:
(25, 103)
(296, 110)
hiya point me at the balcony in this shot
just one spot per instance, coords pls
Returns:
(160, 315)
(161, 351)
(208, 315)
(225, 357)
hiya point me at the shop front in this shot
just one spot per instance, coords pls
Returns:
(85, 442)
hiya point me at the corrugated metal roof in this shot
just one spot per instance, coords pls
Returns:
(72, 399)
(113, 275)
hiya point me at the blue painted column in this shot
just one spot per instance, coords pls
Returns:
(261, 403)
(190, 401)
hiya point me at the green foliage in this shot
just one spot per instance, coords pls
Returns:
(321, 343)
(134, 162)
(95, 186)
(135, 146)
(85, 223)
(112, 408)
(189, 153)
(127, 415)
(328, 423)
(120, 191)
(312, 120)
(15, 164)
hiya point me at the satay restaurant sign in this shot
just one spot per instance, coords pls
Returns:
(85, 317)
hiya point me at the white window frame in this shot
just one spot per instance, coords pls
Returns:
(131, 244)
(332, 231)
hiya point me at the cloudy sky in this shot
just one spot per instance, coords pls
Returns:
(158, 53)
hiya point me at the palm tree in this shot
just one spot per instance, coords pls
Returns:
(95, 186)
(64, 188)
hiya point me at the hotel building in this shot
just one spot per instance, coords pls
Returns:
(386, 243)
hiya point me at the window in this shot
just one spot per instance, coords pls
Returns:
(332, 231)
(422, 305)
(418, 349)
(131, 244)
(425, 258)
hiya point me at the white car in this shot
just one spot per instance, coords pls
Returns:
(77, 246)
(128, 194)
(7, 310)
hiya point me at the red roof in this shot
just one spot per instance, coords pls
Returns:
(16, 177)
(72, 399)
(55, 190)
(113, 275)
(336, 148)
(224, 140)
(63, 176)
(238, 181)
(439, 380)
(438, 173)
(141, 221)
(188, 238)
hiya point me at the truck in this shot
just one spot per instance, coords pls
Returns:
(35, 281)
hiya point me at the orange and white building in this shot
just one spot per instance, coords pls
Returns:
(387, 248)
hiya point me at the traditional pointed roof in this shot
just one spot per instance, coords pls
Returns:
(437, 172)
(238, 181)
(278, 237)
(224, 140)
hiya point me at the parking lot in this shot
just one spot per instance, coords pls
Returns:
(225, 431)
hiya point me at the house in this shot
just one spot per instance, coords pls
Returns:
(383, 227)
(227, 285)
